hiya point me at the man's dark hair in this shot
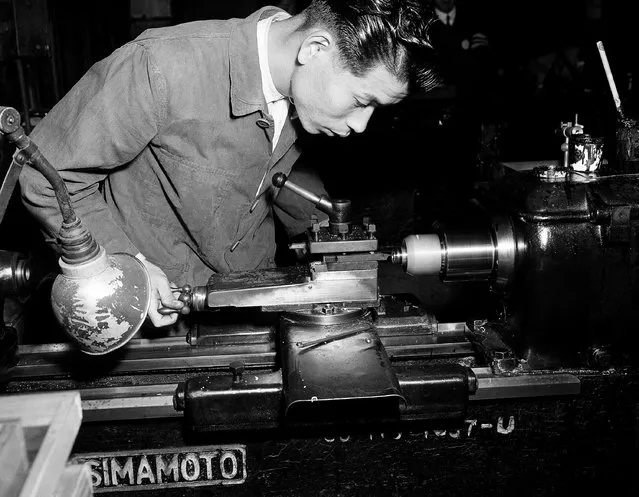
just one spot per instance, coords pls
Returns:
(394, 33)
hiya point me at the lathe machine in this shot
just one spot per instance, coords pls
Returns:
(307, 380)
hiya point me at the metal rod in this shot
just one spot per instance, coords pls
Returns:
(611, 80)
(280, 180)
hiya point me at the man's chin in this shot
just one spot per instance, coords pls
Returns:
(310, 128)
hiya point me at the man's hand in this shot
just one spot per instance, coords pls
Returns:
(161, 296)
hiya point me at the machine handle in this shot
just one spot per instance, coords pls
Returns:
(186, 296)
(280, 180)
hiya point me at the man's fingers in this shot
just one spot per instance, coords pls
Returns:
(160, 320)
(162, 297)
(166, 294)
(166, 301)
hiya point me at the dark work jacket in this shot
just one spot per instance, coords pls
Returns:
(163, 146)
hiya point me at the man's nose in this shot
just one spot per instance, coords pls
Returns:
(359, 119)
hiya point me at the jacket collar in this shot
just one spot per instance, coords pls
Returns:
(246, 80)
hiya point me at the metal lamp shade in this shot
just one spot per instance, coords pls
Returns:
(103, 302)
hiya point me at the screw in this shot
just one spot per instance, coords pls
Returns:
(328, 309)
(315, 229)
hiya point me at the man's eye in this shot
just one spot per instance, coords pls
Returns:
(358, 103)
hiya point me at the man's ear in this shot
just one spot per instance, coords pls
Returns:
(315, 44)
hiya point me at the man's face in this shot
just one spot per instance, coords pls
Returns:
(331, 100)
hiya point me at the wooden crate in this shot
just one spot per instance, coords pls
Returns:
(37, 433)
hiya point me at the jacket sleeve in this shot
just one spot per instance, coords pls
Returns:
(294, 211)
(104, 122)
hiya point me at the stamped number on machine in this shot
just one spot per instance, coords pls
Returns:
(165, 468)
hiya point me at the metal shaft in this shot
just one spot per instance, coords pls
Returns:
(452, 255)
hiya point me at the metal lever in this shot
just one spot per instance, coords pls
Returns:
(280, 180)
(186, 296)
(338, 210)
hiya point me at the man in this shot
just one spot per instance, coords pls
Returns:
(468, 73)
(168, 145)
(460, 38)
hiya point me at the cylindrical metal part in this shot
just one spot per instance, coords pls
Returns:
(340, 218)
(341, 211)
(452, 255)
(420, 255)
(468, 255)
(198, 298)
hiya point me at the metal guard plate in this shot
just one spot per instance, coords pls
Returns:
(344, 365)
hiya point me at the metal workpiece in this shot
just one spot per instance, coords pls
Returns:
(475, 255)
(419, 254)
(468, 256)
